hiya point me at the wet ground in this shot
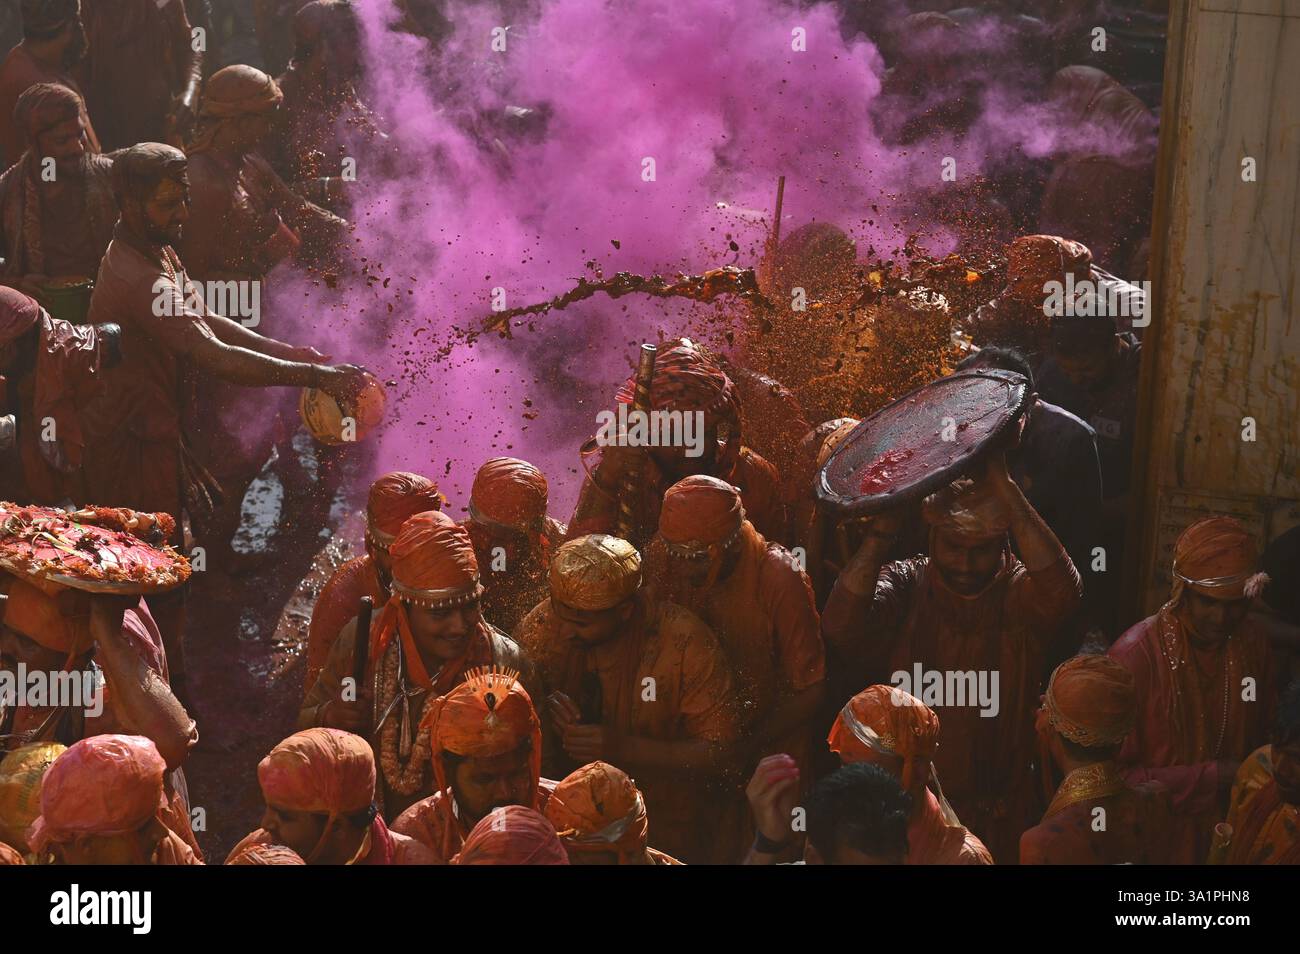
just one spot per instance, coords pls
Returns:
(245, 672)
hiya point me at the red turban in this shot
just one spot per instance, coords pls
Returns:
(433, 566)
(37, 616)
(487, 715)
(103, 785)
(687, 379)
(259, 854)
(325, 771)
(1092, 701)
(394, 498)
(598, 809)
(886, 720)
(509, 492)
(1216, 557)
(512, 835)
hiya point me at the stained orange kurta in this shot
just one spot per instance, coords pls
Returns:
(763, 614)
(692, 698)
(984, 763)
(1265, 829)
(1181, 713)
(1138, 829)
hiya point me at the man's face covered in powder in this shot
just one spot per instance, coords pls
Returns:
(168, 209)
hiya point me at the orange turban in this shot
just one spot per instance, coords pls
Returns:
(326, 771)
(509, 492)
(599, 809)
(38, 617)
(595, 572)
(701, 510)
(1039, 259)
(487, 715)
(886, 720)
(433, 566)
(968, 508)
(512, 835)
(258, 854)
(394, 498)
(10, 856)
(103, 785)
(1216, 557)
(1092, 701)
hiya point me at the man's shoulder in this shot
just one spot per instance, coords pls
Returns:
(1131, 647)
(677, 631)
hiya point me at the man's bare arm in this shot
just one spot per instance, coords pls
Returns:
(140, 696)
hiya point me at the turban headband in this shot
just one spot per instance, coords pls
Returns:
(1091, 701)
(1216, 557)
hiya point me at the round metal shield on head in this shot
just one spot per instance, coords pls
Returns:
(921, 442)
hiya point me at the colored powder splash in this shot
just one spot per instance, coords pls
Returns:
(467, 200)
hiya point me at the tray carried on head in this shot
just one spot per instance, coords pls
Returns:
(91, 550)
(921, 442)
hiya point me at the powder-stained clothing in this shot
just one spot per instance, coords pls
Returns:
(424, 821)
(764, 615)
(61, 233)
(335, 607)
(487, 647)
(19, 73)
(1191, 715)
(387, 847)
(1137, 830)
(760, 490)
(664, 677)
(134, 431)
(913, 618)
(1265, 829)
(139, 56)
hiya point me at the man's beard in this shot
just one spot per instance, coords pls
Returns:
(76, 50)
(76, 169)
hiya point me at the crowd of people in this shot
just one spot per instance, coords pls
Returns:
(701, 665)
